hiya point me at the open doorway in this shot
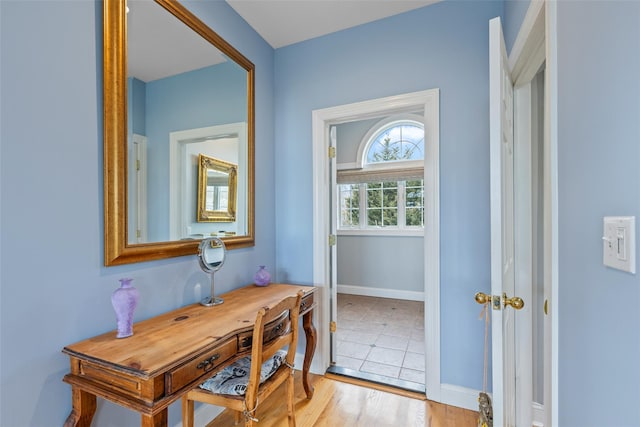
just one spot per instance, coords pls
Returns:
(379, 211)
(347, 292)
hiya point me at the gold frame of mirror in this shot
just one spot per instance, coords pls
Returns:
(117, 249)
(205, 164)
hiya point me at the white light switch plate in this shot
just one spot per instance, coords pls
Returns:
(619, 243)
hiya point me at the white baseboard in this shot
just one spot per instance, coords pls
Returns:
(381, 292)
(467, 398)
(461, 397)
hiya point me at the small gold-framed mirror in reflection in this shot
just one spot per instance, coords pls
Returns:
(217, 190)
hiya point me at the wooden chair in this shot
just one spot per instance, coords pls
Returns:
(261, 353)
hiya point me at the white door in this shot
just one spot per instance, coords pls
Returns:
(502, 229)
(334, 211)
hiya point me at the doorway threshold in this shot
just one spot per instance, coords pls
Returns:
(392, 385)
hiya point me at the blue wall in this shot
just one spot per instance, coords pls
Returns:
(441, 46)
(137, 106)
(598, 157)
(191, 100)
(382, 262)
(51, 185)
(55, 290)
(514, 13)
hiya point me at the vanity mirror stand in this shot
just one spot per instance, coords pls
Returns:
(211, 254)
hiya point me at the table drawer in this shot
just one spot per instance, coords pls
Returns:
(307, 303)
(272, 330)
(199, 366)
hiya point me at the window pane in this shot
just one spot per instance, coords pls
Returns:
(390, 197)
(390, 217)
(414, 205)
(374, 217)
(382, 204)
(398, 142)
(349, 205)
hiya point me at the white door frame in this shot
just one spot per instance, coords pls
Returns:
(428, 101)
(535, 44)
(182, 194)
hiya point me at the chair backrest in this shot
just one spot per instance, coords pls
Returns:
(262, 351)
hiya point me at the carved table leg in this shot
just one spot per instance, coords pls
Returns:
(310, 333)
(157, 420)
(84, 407)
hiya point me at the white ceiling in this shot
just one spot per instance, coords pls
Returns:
(284, 22)
(156, 41)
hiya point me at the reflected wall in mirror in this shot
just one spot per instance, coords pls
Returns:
(217, 182)
(172, 89)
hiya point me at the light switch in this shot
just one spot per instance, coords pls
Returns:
(619, 243)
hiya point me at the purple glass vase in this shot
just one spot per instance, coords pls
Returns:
(124, 301)
(262, 277)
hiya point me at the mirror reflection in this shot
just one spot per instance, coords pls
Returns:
(216, 190)
(160, 112)
(184, 97)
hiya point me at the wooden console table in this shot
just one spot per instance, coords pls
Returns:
(174, 352)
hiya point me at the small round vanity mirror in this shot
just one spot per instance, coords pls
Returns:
(211, 254)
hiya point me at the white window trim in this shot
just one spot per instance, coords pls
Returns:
(382, 231)
(363, 226)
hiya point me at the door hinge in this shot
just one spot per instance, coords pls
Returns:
(332, 152)
(137, 165)
(332, 326)
(332, 239)
(138, 234)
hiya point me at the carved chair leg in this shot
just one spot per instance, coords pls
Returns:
(291, 415)
(237, 416)
(187, 412)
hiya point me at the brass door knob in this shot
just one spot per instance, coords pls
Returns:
(515, 302)
(482, 298)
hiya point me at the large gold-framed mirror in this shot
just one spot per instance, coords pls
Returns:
(217, 189)
(154, 129)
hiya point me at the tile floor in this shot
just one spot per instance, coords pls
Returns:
(381, 336)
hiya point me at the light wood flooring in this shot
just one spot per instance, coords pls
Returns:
(340, 404)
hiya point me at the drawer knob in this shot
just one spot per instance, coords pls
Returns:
(205, 364)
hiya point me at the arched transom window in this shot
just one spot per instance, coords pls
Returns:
(397, 141)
